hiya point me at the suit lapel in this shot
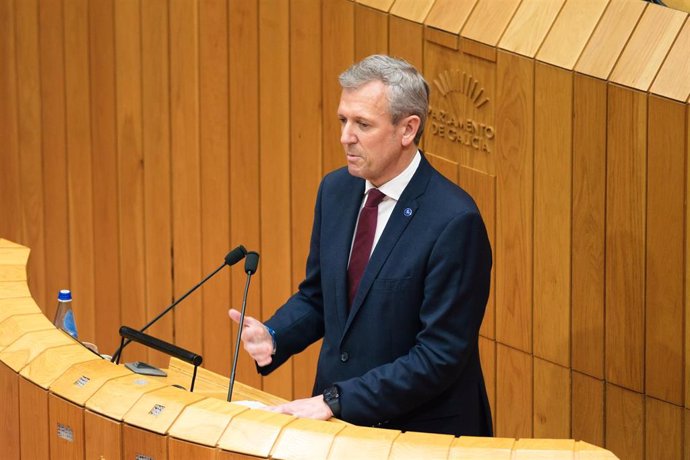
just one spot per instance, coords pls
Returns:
(403, 213)
(348, 203)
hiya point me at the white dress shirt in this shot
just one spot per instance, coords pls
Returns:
(393, 189)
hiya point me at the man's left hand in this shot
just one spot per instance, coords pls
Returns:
(314, 407)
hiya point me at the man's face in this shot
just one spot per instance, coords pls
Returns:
(373, 144)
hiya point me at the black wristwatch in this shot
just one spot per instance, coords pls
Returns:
(331, 396)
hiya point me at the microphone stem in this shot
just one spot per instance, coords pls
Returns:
(117, 353)
(239, 336)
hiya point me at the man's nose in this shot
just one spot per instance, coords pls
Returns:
(346, 135)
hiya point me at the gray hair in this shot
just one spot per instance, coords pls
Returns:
(408, 92)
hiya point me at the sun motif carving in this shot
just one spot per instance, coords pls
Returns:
(456, 81)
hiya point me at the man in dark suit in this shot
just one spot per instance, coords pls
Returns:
(397, 276)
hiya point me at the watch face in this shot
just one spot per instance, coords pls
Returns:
(331, 393)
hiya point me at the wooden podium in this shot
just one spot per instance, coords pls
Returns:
(60, 400)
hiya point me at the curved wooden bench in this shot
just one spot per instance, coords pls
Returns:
(62, 401)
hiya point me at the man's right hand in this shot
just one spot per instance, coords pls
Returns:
(255, 338)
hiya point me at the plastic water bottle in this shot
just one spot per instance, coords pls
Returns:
(64, 318)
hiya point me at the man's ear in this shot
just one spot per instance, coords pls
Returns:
(409, 126)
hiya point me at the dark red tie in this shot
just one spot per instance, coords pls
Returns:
(364, 241)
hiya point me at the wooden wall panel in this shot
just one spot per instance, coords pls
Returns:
(686, 304)
(9, 410)
(181, 450)
(274, 113)
(588, 225)
(663, 430)
(30, 141)
(338, 53)
(244, 157)
(487, 354)
(625, 237)
(54, 148)
(552, 400)
(587, 409)
(624, 422)
(514, 403)
(157, 168)
(127, 124)
(71, 416)
(552, 212)
(33, 420)
(371, 32)
(10, 196)
(215, 181)
(665, 250)
(482, 187)
(514, 192)
(136, 441)
(108, 143)
(186, 188)
(305, 167)
(102, 436)
(79, 163)
(406, 41)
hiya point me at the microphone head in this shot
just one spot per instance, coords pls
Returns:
(235, 255)
(251, 263)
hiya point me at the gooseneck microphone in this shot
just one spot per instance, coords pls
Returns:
(250, 266)
(231, 258)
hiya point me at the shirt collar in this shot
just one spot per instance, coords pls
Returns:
(395, 187)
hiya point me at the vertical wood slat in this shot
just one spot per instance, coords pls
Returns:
(405, 41)
(588, 225)
(624, 422)
(665, 253)
(186, 189)
(105, 120)
(33, 420)
(80, 167)
(9, 408)
(30, 141)
(72, 416)
(54, 149)
(182, 450)
(129, 165)
(663, 430)
(686, 267)
(552, 213)
(306, 167)
(487, 355)
(275, 159)
(482, 188)
(514, 396)
(244, 157)
(514, 172)
(136, 441)
(552, 402)
(157, 168)
(215, 181)
(371, 32)
(587, 409)
(338, 53)
(102, 436)
(10, 189)
(625, 237)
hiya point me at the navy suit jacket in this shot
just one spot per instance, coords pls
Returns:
(405, 354)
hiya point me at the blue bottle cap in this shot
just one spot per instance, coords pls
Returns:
(65, 295)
